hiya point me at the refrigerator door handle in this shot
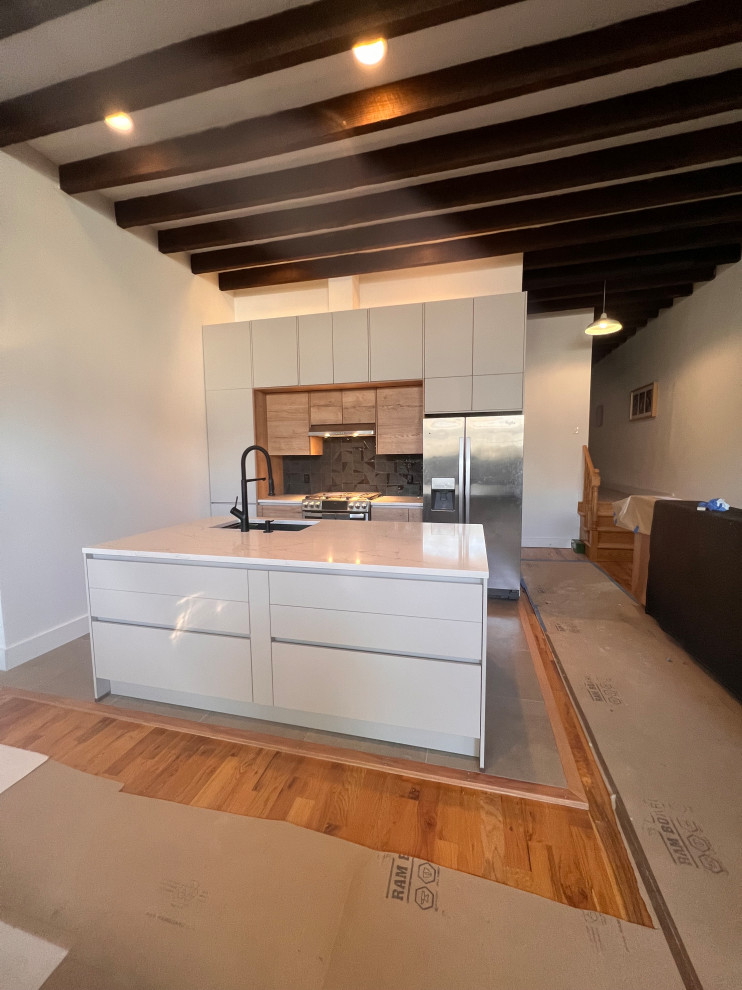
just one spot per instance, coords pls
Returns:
(462, 480)
(467, 476)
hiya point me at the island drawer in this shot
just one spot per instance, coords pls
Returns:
(174, 611)
(432, 695)
(194, 663)
(167, 578)
(387, 596)
(367, 630)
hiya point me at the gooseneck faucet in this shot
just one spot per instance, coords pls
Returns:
(243, 514)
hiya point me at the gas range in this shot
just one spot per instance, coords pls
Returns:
(338, 505)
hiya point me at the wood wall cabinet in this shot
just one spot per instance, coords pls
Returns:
(326, 407)
(315, 350)
(287, 422)
(359, 405)
(399, 420)
(275, 352)
(350, 345)
(396, 342)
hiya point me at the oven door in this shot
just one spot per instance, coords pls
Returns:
(319, 514)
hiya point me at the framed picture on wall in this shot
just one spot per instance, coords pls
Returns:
(643, 404)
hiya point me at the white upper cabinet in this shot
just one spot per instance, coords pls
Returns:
(315, 349)
(448, 395)
(499, 334)
(396, 342)
(230, 428)
(350, 346)
(497, 393)
(275, 352)
(448, 338)
(227, 357)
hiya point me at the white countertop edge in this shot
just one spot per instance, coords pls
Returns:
(265, 563)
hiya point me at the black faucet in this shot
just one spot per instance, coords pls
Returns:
(243, 514)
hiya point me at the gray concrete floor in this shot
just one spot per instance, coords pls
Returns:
(519, 740)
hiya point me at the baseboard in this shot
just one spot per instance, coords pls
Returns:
(563, 543)
(29, 649)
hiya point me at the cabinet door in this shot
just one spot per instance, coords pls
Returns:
(350, 345)
(448, 395)
(448, 338)
(399, 420)
(315, 350)
(499, 334)
(359, 405)
(275, 352)
(389, 513)
(497, 393)
(230, 428)
(326, 407)
(287, 416)
(227, 356)
(396, 342)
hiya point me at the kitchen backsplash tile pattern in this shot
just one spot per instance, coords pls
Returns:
(352, 464)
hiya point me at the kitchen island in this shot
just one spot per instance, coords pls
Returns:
(374, 629)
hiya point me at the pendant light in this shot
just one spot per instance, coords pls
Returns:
(605, 324)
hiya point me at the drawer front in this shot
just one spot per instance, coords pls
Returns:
(389, 513)
(421, 694)
(205, 614)
(390, 633)
(388, 596)
(281, 511)
(416, 515)
(195, 663)
(184, 580)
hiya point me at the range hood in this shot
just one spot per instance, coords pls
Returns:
(329, 430)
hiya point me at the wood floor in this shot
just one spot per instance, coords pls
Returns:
(568, 854)
(618, 570)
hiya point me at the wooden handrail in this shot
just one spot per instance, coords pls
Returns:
(590, 489)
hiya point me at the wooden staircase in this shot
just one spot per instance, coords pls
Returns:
(602, 538)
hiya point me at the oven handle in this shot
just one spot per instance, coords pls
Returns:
(318, 514)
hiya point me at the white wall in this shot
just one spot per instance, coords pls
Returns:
(102, 401)
(460, 280)
(693, 448)
(556, 408)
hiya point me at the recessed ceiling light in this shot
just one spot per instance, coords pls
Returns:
(119, 121)
(371, 52)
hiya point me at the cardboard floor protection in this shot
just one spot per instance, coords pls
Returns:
(151, 894)
(16, 763)
(671, 739)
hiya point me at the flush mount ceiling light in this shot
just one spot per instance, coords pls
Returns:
(370, 52)
(119, 122)
(605, 324)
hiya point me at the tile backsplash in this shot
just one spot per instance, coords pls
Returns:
(352, 464)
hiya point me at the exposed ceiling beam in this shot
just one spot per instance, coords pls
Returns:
(612, 164)
(21, 15)
(221, 58)
(690, 28)
(649, 266)
(548, 237)
(684, 187)
(624, 292)
(729, 234)
(634, 112)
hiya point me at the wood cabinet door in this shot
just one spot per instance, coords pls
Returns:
(399, 420)
(389, 513)
(359, 405)
(326, 407)
(287, 416)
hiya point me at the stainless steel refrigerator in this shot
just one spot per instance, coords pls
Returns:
(473, 473)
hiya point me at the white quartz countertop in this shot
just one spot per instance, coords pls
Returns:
(410, 501)
(432, 549)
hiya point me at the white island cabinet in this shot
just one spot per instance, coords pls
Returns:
(376, 630)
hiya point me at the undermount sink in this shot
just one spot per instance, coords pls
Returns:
(276, 527)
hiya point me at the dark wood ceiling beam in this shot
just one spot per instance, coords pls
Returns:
(685, 187)
(548, 237)
(623, 292)
(693, 27)
(650, 266)
(632, 113)
(613, 164)
(729, 234)
(221, 58)
(20, 15)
